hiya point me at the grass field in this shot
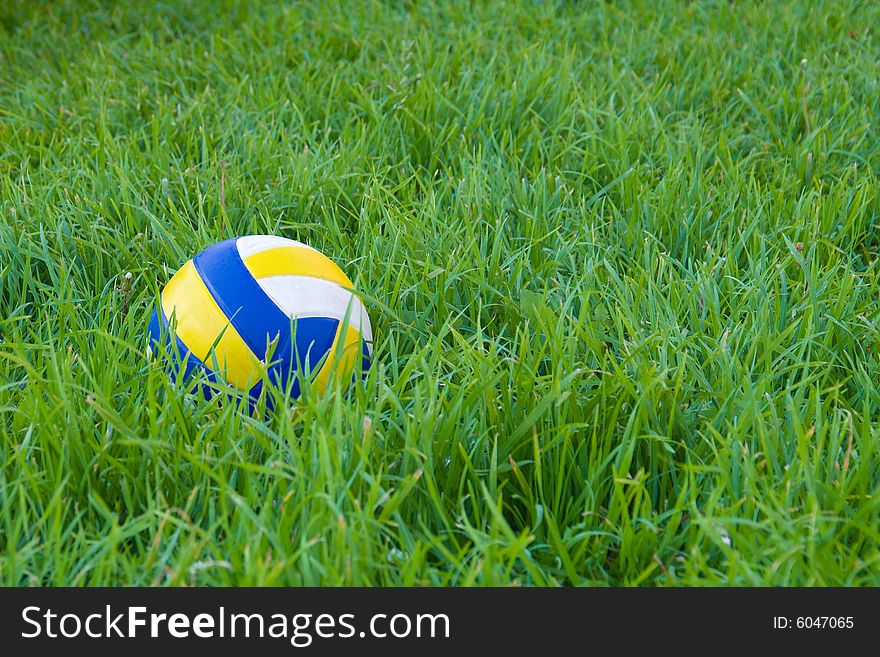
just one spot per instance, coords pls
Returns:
(621, 260)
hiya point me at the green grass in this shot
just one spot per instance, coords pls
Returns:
(621, 260)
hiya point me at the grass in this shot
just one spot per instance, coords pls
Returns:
(621, 260)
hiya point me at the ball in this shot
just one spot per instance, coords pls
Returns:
(261, 308)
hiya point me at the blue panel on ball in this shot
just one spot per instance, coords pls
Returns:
(366, 360)
(313, 337)
(258, 320)
(240, 297)
(254, 396)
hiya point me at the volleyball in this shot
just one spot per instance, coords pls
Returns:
(263, 308)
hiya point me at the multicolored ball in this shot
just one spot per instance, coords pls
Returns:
(259, 308)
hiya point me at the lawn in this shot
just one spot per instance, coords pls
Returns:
(621, 261)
